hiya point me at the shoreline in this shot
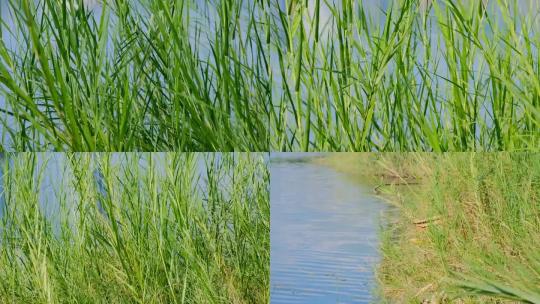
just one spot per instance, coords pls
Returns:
(446, 243)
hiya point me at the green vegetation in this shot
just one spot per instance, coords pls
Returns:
(160, 228)
(443, 75)
(284, 75)
(315, 75)
(141, 75)
(467, 228)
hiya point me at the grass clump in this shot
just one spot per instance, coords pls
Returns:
(444, 75)
(143, 75)
(135, 228)
(287, 75)
(464, 227)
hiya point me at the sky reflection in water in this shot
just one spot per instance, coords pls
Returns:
(324, 231)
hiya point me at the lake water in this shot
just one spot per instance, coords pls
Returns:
(324, 234)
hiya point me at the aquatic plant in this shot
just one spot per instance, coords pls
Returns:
(444, 75)
(140, 75)
(156, 228)
(284, 75)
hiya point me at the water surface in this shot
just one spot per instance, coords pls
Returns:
(324, 230)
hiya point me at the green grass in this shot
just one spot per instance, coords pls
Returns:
(281, 75)
(484, 246)
(459, 78)
(162, 231)
(142, 75)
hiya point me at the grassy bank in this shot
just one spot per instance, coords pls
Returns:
(444, 75)
(166, 228)
(141, 75)
(467, 228)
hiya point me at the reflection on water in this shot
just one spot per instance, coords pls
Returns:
(323, 235)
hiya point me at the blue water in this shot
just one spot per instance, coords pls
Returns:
(324, 234)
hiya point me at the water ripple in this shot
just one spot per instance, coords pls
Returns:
(323, 236)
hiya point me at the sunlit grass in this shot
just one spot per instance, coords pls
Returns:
(283, 75)
(465, 226)
(442, 75)
(161, 228)
(145, 75)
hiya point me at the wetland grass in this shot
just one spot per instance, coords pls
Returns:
(281, 75)
(166, 231)
(443, 75)
(142, 75)
(467, 232)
